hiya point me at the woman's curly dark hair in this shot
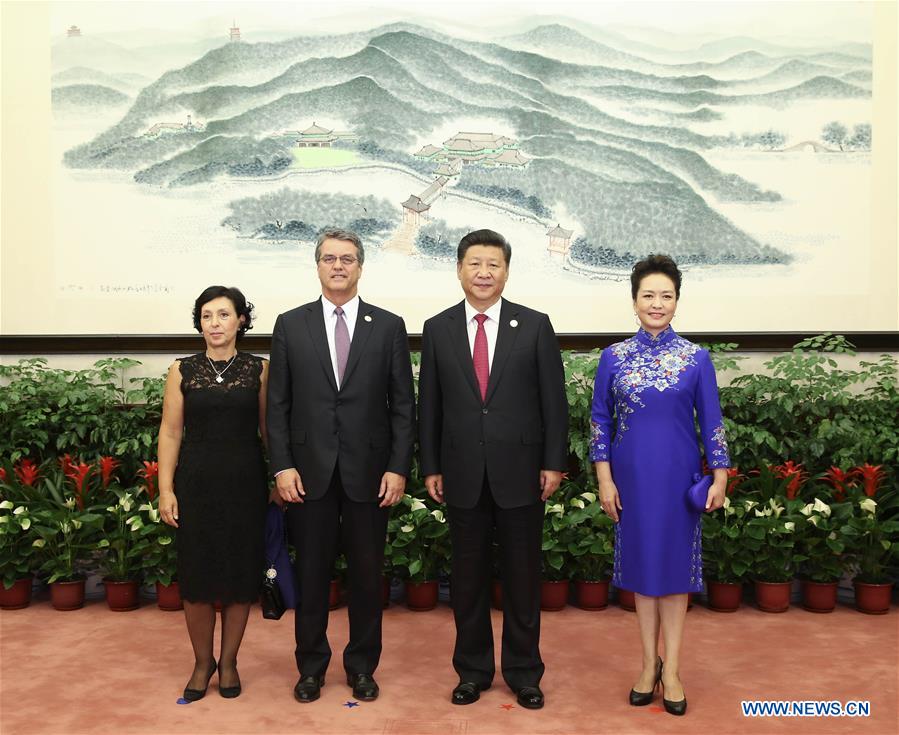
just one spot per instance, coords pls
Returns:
(243, 307)
(655, 264)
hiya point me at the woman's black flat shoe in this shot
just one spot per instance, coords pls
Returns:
(640, 699)
(192, 695)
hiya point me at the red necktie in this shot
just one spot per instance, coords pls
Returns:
(481, 362)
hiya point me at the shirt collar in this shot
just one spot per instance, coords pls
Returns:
(664, 336)
(492, 313)
(350, 308)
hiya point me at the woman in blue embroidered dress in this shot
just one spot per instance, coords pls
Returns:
(646, 453)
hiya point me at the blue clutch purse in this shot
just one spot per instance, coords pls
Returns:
(698, 493)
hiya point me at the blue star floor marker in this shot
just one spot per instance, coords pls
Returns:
(182, 700)
(350, 705)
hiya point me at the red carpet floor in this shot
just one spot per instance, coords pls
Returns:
(95, 671)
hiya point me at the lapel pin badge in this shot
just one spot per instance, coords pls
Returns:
(513, 323)
(367, 317)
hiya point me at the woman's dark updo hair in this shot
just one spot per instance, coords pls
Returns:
(243, 307)
(655, 264)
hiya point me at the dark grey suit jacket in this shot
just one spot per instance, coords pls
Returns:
(521, 427)
(368, 425)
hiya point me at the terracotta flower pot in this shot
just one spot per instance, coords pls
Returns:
(773, 597)
(17, 596)
(67, 595)
(121, 596)
(421, 596)
(334, 595)
(626, 600)
(385, 590)
(592, 595)
(553, 595)
(725, 596)
(168, 596)
(496, 594)
(873, 599)
(819, 597)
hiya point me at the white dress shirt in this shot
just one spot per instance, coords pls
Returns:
(350, 311)
(491, 327)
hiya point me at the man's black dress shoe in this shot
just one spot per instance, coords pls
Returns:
(308, 688)
(364, 686)
(530, 697)
(467, 692)
(192, 695)
(639, 699)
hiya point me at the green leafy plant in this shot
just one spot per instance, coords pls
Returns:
(67, 538)
(872, 535)
(155, 548)
(556, 562)
(580, 370)
(726, 558)
(821, 540)
(419, 539)
(17, 552)
(122, 524)
(591, 538)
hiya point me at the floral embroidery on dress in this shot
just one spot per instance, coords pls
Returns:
(719, 454)
(696, 558)
(599, 449)
(647, 362)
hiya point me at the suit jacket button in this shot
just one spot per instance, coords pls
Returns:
(483, 410)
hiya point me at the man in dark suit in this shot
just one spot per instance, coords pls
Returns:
(494, 441)
(341, 431)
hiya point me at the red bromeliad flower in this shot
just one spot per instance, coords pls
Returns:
(27, 472)
(734, 478)
(149, 473)
(796, 475)
(872, 476)
(2, 474)
(66, 463)
(840, 480)
(107, 467)
(78, 474)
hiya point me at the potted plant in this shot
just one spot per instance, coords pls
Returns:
(119, 563)
(16, 555)
(726, 558)
(158, 557)
(591, 546)
(556, 564)
(420, 550)
(66, 537)
(871, 541)
(820, 544)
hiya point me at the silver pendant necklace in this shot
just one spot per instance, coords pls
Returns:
(220, 373)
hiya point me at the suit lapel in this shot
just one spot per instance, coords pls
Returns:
(458, 329)
(315, 323)
(505, 340)
(361, 332)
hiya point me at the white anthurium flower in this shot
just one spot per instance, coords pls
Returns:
(110, 509)
(25, 523)
(868, 505)
(438, 514)
(822, 508)
(70, 503)
(18, 511)
(813, 520)
(790, 526)
(589, 497)
(556, 508)
(806, 509)
(76, 524)
(577, 503)
(65, 527)
(4, 519)
(145, 506)
(762, 513)
(407, 528)
(153, 514)
(6, 505)
(750, 504)
(38, 543)
(165, 540)
(417, 504)
(776, 507)
(125, 502)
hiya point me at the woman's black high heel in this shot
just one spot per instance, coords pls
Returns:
(678, 708)
(192, 695)
(230, 692)
(639, 699)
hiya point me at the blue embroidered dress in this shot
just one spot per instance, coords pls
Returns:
(646, 391)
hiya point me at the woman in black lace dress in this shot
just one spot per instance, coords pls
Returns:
(213, 482)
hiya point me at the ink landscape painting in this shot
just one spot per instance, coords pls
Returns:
(194, 150)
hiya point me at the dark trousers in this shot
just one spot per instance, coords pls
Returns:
(518, 532)
(316, 528)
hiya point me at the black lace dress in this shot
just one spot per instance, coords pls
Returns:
(221, 482)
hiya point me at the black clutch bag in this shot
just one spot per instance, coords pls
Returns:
(271, 598)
